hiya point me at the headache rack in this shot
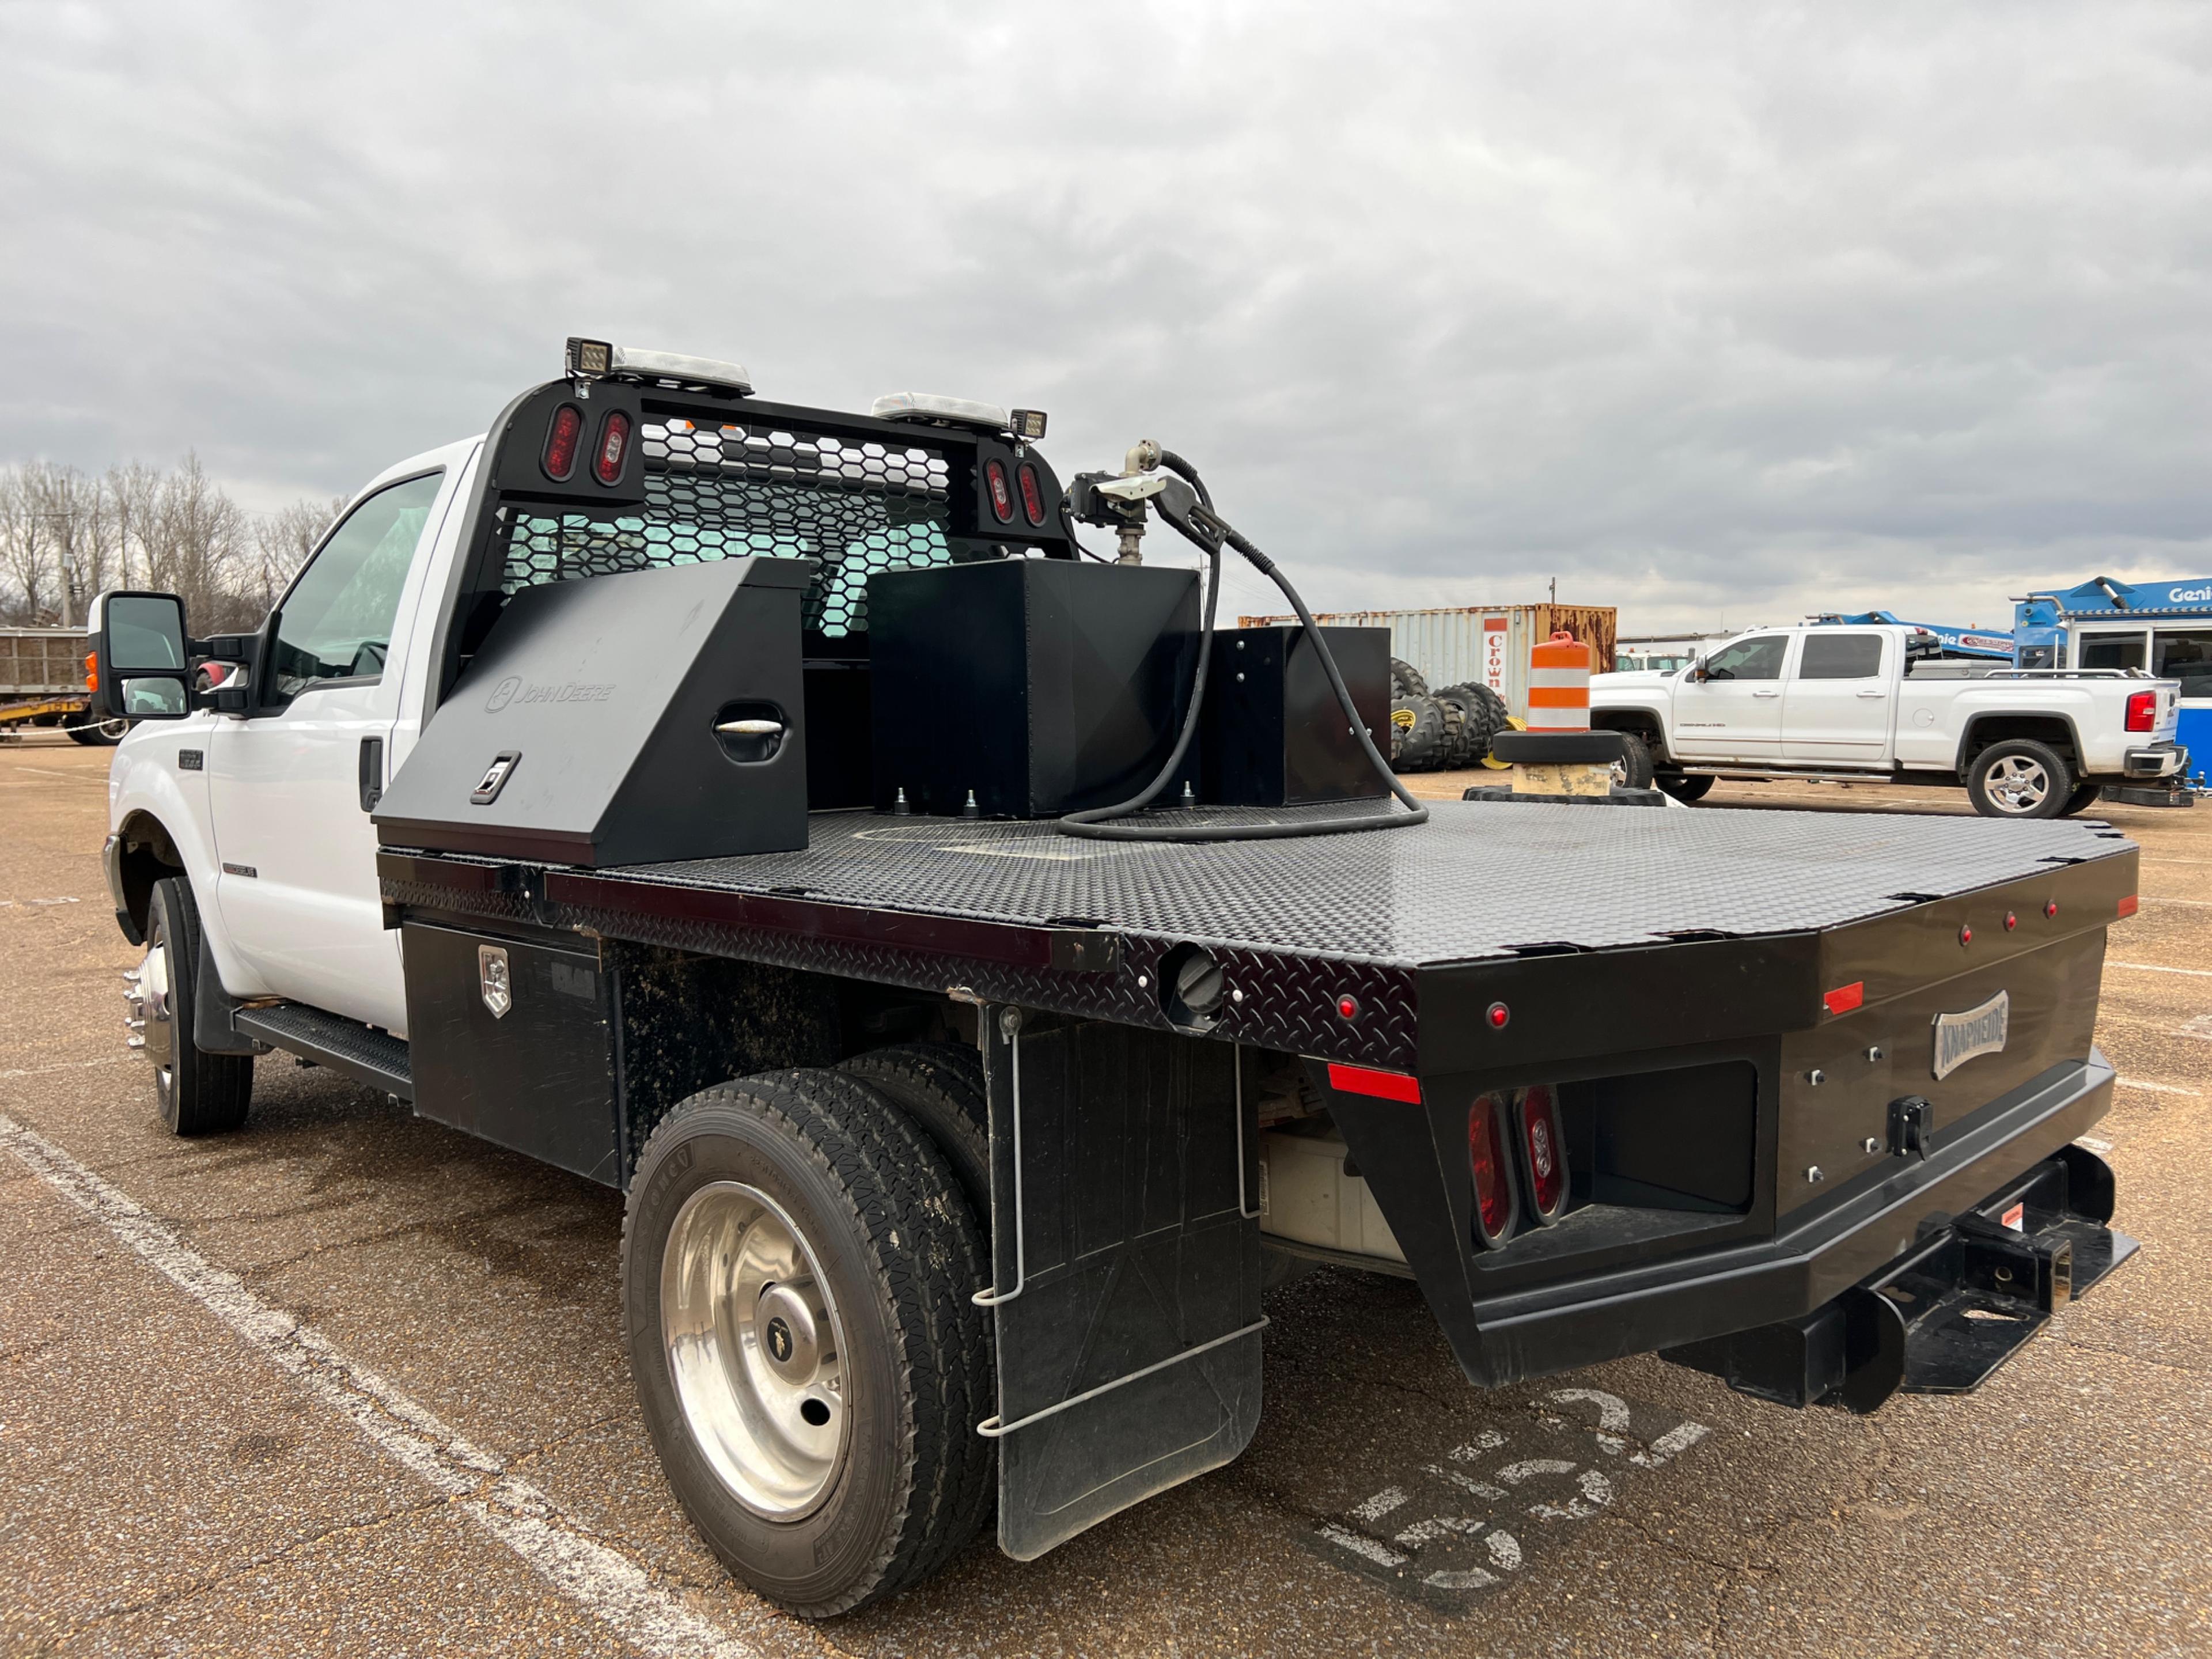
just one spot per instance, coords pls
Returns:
(706, 477)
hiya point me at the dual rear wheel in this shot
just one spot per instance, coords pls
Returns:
(799, 1256)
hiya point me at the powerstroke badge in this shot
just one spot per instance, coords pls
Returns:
(1961, 1037)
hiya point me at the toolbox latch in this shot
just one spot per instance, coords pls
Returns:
(1909, 1127)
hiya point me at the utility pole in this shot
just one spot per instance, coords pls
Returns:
(68, 519)
(1555, 590)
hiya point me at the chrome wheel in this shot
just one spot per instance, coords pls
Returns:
(2017, 784)
(754, 1349)
(151, 997)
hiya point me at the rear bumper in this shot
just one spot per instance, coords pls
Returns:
(1869, 1225)
(2158, 760)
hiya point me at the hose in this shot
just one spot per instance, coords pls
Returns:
(1097, 824)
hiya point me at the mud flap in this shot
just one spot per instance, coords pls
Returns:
(1126, 1268)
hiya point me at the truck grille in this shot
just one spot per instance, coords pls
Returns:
(741, 489)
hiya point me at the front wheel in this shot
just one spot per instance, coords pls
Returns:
(199, 1093)
(1633, 770)
(797, 1265)
(1686, 787)
(2018, 778)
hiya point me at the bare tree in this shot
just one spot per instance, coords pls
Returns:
(282, 542)
(136, 526)
(26, 551)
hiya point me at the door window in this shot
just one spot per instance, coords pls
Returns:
(336, 624)
(1840, 657)
(2185, 656)
(1759, 658)
(2111, 651)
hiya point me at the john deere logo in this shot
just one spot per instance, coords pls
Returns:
(503, 694)
(779, 1340)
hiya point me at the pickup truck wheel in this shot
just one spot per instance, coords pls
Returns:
(2018, 778)
(2083, 797)
(1633, 770)
(940, 1086)
(199, 1093)
(1685, 786)
(797, 1270)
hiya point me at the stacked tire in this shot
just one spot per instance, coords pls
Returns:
(1442, 731)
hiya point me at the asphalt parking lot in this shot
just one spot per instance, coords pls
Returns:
(348, 1382)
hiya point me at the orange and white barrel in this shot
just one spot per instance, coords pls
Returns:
(1559, 685)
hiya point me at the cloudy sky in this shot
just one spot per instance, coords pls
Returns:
(1721, 313)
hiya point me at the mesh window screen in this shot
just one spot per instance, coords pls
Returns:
(735, 490)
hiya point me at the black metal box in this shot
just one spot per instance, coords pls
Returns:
(1043, 685)
(1272, 732)
(592, 727)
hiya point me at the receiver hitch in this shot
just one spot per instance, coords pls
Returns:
(1943, 1316)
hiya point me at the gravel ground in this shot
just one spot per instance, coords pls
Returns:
(176, 1478)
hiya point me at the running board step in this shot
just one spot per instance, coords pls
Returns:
(1945, 1315)
(375, 1058)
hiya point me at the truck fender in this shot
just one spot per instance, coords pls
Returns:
(2036, 725)
(150, 810)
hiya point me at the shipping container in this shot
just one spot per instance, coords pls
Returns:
(1486, 644)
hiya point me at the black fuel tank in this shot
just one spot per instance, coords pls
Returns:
(625, 719)
(1043, 685)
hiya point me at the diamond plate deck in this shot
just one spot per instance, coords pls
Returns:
(1478, 880)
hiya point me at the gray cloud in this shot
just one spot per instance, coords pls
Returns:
(1707, 310)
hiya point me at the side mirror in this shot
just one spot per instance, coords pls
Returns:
(1698, 672)
(139, 656)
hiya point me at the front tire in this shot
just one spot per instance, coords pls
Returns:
(797, 1270)
(105, 735)
(199, 1093)
(1633, 770)
(1686, 788)
(2019, 778)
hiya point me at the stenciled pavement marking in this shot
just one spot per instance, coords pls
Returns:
(1467, 1521)
(10, 904)
(642, 1610)
(2154, 968)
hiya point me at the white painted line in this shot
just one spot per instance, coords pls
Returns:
(1381, 1554)
(2152, 967)
(2194, 904)
(629, 1601)
(67, 1065)
(2157, 1089)
(2092, 1143)
(1380, 1505)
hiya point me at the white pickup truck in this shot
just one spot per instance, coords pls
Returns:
(1874, 703)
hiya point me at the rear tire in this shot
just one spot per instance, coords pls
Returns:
(811, 1194)
(940, 1086)
(2018, 778)
(199, 1093)
(1685, 786)
(2083, 797)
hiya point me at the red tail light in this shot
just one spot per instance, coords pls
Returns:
(1489, 1159)
(614, 447)
(2143, 711)
(1543, 1151)
(1032, 493)
(563, 439)
(1002, 498)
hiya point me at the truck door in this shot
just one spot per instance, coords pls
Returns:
(1736, 711)
(298, 890)
(1839, 703)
